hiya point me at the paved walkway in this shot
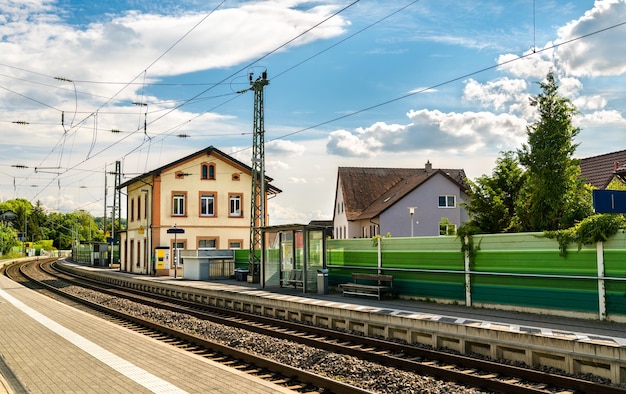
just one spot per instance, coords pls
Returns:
(48, 347)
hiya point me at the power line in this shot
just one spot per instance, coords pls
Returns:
(449, 81)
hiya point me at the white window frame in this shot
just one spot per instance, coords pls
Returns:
(234, 205)
(447, 198)
(207, 200)
(178, 204)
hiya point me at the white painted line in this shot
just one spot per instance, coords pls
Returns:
(131, 371)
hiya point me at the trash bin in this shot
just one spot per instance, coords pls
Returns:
(322, 281)
(241, 274)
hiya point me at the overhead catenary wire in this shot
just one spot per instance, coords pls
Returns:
(160, 57)
(407, 95)
(449, 81)
(456, 79)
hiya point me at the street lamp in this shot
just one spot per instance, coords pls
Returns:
(411, 213)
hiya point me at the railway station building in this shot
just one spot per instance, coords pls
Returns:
(199, 202)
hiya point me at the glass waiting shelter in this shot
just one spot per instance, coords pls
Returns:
(293, 255)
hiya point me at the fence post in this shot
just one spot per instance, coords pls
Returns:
(468, 276)
(601, 286)
(380, 256)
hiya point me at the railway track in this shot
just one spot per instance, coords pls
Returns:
(465, 370)
(292, 378)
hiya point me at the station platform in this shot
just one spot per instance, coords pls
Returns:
(69, 349)
(49, 347)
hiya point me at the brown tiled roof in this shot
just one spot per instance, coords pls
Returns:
(599, 170)
(369, 191)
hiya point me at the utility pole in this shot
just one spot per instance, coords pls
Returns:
(257, 199)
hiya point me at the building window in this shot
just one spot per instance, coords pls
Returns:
(235, 244)
(207, 244)
(236, 177)
(447, 229)
(207, 204)
(138, 252)
(178, 204)
(235, 205)
(447, 201)
(207, 171)
(132, 209)
(176, 248)
(139, 208)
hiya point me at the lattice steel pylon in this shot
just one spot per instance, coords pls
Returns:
(257, 198)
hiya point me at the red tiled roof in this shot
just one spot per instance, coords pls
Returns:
(598, 171)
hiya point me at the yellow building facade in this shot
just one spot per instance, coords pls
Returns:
(201, 201)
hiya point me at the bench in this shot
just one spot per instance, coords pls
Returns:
(295, 279)
(370, 285)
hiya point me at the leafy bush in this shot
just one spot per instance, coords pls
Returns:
(595, 228)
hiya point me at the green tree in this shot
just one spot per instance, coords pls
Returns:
(20, 207)
(553, 197)
(493, 198)
(616, 184)
(38, 223)
(8, 238)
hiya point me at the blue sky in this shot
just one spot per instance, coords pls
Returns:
(365, 83)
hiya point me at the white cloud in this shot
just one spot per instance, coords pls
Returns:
(284, 147)
(502, 94)
(600, 119)
(531, 66)
(592, 103)
(344, 143)
(600, 54)
(431, 130)
(297, 180)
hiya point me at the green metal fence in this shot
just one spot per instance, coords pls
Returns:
(522, 270)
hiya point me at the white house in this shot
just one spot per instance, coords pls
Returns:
(403, 202)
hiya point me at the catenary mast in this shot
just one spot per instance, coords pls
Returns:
(257, 199)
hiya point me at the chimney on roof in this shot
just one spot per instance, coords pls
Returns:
(428, 167)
